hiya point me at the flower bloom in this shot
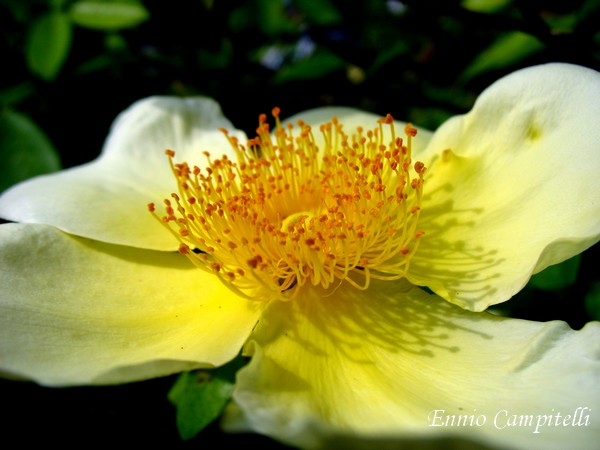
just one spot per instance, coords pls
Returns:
(307, 246)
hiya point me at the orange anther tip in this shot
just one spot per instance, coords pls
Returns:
(419, 167)
(410, 130)
(352, 175)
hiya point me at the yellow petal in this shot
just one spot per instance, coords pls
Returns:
(106, 199)
(75, 311)
(380, 366)
(512, 187)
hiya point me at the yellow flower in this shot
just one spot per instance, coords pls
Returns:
(309, 257)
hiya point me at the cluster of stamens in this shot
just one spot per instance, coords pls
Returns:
(289, 212)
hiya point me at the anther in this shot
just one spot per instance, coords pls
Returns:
(288, 213)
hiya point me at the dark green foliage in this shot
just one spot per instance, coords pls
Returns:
(25, 150)
(200, 396)
(70, 66)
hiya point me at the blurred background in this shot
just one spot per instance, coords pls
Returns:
(70, 66)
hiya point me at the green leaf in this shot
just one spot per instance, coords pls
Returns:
(322, 62)
(114, 42)
(485, 6)
(568, 22)
(219, 59)
(558, 276)
(273, 18)
(48, 44)
(389, 53)
(592, 301)
(16, 94)
(320, 13)
(562, 23)
(200, 396)
(25, 151)
(96, 64)
(509, 49)
(588, 9)
(108, 15)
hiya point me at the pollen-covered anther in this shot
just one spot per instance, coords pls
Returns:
(290, 212)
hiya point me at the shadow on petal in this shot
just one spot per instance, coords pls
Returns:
(459, 268)
(391, 317)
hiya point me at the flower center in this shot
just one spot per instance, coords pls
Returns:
(290, 212)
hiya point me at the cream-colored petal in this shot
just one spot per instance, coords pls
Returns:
(76, 311)
(378, 368)
(107, 199)
(512, 186)
(352, 118)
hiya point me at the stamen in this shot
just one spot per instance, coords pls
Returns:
(288, 213)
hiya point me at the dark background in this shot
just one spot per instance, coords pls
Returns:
(421, 61)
